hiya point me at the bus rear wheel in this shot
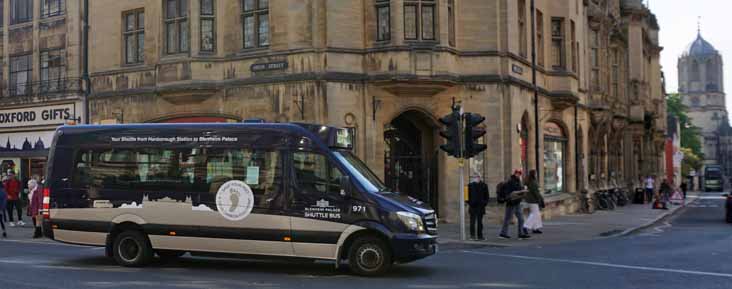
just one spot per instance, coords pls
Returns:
(132, 249)
(369, 256)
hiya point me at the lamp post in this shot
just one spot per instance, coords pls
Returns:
(85, 69)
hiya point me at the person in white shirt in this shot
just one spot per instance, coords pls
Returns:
(650, 183)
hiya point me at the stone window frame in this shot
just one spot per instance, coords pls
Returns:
(595, 81)
(50, 10)
(615, 73)
(52, 84)
(135, 34)
(574, 48)
(540, 49)
(208, 15)
(15, 9)
(14, 86)
(558, 49)
(451, 23)
(522, 27)
(177, 22)
(385, 34)
(259, 12)
(420, 6)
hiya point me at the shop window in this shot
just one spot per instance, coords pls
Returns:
(419, 19)
(208, 25)
(255, 22)
(176, 26)
(383, 20)
(555, 151)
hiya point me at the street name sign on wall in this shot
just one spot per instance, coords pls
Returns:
(269, 66)
(36, 116)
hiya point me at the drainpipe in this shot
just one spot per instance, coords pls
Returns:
(576, 150)
(85, 67)
(536, 88)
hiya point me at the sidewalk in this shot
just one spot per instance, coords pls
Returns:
(575, 227)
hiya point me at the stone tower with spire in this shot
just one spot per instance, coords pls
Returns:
(701, 86)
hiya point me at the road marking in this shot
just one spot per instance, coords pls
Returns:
(602, 264)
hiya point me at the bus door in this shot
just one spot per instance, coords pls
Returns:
(317, 207)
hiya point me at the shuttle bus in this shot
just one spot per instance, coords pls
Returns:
(713, 178)
(279, 190)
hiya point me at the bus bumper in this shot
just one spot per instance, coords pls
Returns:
(411, 247)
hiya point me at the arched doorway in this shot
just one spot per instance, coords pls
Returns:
(410, 156)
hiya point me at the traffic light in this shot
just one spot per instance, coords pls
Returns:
(472, 134)
(451, 133)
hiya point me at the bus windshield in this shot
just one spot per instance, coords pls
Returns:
(362, 173)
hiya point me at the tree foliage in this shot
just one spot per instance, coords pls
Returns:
(690, 134)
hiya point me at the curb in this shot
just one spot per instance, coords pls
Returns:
(457, 243)
(658, 219)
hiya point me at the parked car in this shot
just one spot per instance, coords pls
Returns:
(728, 208)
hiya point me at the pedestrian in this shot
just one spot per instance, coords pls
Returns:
(683, 188)
(3, 203)
(535, 201)
(478, 196)
(12, 188)
(514, 192)
(664, 194)
(35, 197)
(649, 185)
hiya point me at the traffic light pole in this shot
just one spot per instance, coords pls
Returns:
(461, 173)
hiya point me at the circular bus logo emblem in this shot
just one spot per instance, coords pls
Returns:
(234, 200)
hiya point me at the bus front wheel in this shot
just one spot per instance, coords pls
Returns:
(369, 256)
(132, 249)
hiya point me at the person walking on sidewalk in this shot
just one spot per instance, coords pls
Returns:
(514, 191)
(35, 198)
(3, 204)
(534, 199)
(12, 188)
(478, 197)
(649, 185)
(684, 187)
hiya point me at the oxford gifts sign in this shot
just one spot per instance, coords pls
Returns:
(36, 116)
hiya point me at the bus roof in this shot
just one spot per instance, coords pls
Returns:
(193, 132)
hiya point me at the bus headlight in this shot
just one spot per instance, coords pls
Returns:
(412, 221)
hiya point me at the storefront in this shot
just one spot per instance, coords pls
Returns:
(26, 134)
(555, 156)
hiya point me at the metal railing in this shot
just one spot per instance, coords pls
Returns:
(45, 87)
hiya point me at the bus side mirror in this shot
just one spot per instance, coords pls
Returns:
(346, 186)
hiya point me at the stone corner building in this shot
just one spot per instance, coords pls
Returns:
(40, 86)
(390, 69)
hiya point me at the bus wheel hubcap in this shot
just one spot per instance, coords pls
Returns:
(129, 249)
(369, 257)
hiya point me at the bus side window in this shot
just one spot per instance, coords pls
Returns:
(314, 174)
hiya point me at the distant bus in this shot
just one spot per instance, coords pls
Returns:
(712, 178)
(285, 190)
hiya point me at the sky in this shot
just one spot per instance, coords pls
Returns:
(679, 19)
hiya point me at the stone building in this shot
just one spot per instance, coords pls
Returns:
(390, 68)
(701, 85)
(39, 79)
